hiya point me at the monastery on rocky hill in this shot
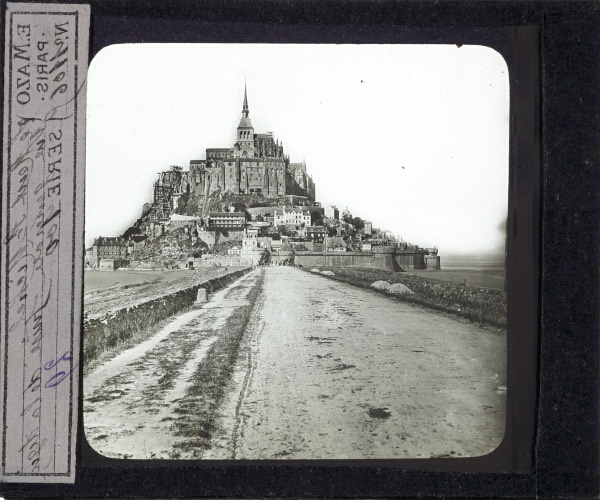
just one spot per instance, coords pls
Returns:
(255, 164)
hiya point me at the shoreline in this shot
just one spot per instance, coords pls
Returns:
(493, 279)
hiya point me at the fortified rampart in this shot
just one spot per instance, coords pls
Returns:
(387, 258)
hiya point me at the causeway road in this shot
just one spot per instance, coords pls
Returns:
(324, 370)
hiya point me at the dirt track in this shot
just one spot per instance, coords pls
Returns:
(334, 371)
(132, 402)
(325, 370)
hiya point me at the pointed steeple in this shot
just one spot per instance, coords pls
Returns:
(245, 121)
(245, 110)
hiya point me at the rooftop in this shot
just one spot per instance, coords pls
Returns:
(227, 214)
(177, 217)
(103, 241)
(245, 123)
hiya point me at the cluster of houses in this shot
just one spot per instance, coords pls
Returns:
(270, 235)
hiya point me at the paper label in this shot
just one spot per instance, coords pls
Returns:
(46, 48)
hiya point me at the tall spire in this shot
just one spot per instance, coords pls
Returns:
(245, 110)
(245, 130)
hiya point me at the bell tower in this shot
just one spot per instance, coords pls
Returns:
(244, 147)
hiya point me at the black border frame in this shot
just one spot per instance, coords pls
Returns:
(524, 159)
(567, 114)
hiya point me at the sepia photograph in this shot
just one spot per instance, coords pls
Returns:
(295, 252)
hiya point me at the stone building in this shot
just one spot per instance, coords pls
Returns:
(103, 248)
(291, 217)
(232, 221)
(284, 256)
(255, 165)
(250, 240)
(432, 262)
(168, 188)
(251, 250)
(316, 234)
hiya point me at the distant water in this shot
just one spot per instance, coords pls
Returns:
(495, 264)
(485, 272)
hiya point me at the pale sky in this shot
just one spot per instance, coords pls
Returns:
(411, 137)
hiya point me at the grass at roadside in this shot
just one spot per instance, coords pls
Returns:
(480, 305)
(108, 352)
(197, 410)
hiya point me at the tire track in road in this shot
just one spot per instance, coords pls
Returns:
(99, 377)
(256, 329)
(332, 371)
(197, 411)
(132, 402)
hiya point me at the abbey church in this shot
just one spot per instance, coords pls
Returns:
(256, 164)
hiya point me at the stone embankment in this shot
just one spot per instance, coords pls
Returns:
(116, 326)
(474, 303)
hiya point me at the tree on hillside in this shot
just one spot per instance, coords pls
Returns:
(316, 217)
(284, 231)
(358, 223)
(240, 206)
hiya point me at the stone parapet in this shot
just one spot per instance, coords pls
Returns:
(122, 324)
